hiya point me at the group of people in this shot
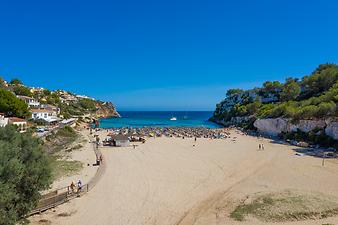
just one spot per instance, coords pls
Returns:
(260, 146)
(76, 188)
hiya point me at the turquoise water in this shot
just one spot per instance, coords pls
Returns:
(159, 119)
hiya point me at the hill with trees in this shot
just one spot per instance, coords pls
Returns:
(70, 104)
(11, 105)
(313, 97)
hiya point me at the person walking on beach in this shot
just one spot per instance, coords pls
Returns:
(259, 146)
(262, 147)
(72, 187)
(79, 186)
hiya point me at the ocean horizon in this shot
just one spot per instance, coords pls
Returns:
(137, 119)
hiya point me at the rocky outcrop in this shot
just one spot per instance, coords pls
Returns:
(234, 120)
(332, 130)
(274, 127)
(307, 125)
(106, 110)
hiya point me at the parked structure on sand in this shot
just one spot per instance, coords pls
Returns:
(118, 140)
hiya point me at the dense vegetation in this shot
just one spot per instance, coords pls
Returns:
(78, 108)
(313, 96)
(11, 105)
(24, 171)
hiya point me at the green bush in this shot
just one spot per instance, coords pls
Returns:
(24, 171)
(315, 96)
(11, 105)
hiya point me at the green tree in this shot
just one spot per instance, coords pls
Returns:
(11, 105)
(87, 104)
(22, 90)
(233, 91)
(24, 171)
(322, 79)
(16, 81)
(290, 91)
(326, 109)
(2, 82)
(254, 107)
(46, 92)
(271, 87)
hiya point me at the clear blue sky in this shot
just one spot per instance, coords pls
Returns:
(171, 54)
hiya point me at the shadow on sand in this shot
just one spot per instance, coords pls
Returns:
(307, 151)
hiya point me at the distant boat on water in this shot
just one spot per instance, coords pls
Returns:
(173, 118)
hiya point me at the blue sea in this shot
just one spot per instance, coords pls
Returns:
(137, 119)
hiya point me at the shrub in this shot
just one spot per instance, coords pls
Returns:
(24, 171)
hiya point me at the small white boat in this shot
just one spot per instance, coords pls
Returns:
(173, 118)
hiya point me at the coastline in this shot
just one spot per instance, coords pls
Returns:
(139, 119)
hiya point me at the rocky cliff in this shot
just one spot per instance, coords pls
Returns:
(274, 127)
(106, 110)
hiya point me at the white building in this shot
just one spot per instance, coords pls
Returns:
(31, 102)
(84, 97)
(45, 114)
(20, 123)
(57, 110)
(3, 120)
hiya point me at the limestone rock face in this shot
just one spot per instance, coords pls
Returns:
(332, 130)
(272, 127)
(106, 110)
(308, 125)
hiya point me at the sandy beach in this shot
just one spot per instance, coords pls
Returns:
(85, 155)
(169, 181)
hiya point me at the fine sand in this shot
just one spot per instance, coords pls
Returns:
(86, 155)
(168, 181)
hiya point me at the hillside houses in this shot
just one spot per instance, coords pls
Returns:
(84, 97)
(19, 122)
(49, 115)
(53, 108)
(66, 97)
(31, 102)
(46, 107)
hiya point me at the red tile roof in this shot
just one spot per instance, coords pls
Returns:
(16, 119)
